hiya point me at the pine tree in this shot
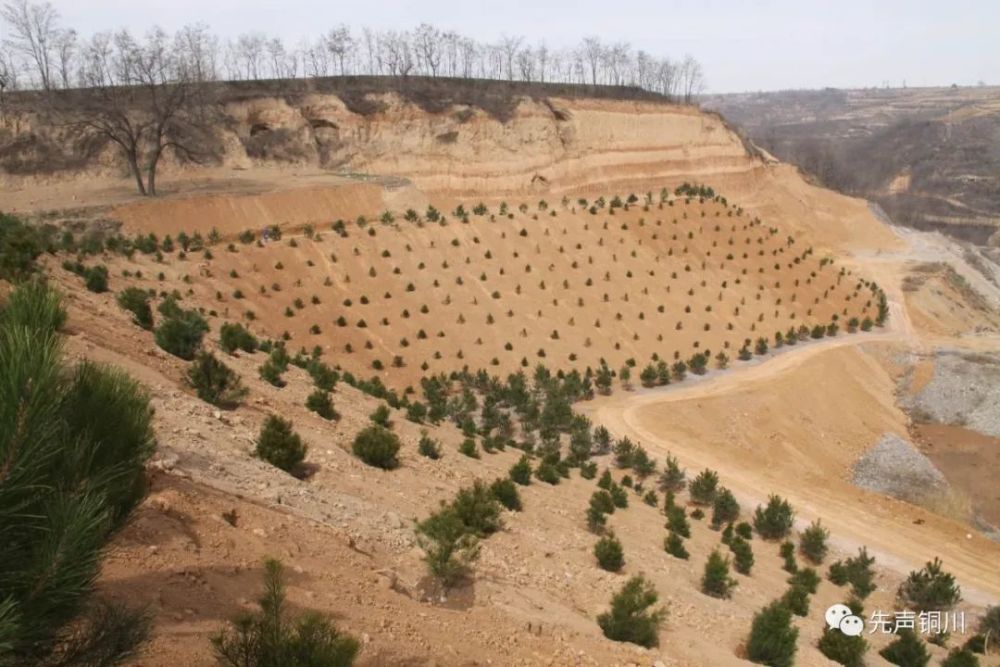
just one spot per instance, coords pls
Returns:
(673, 544)
(673, 478)
(214, 382)
(268, 638)
(725, 509)
(742, 555)
(907, 650)
(703, 487)
(74, 441)
(280, 445)
(844, 649)
(812, 542)
(630, 618)
(774, 521)
(609, 553)
(772, 637)
(715, 581)
(929, 589)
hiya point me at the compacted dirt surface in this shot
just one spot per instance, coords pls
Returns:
(792, 421)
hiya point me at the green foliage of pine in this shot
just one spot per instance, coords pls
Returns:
(715, 581)
(136, 301)
(319, 401)
(268, 638)
(609, 553)
(929, 589)
(381, 416)
(180, 334)
(742, 555)
(20, 245)
(960, 657)
(377, 446)
(704, 486)
(280, 445)
(843, 649)
(856, 571)
(631, 618)
(506, 493)
(478, 509)
(429, 447)
(812, 542)
(725, 509)
(906, 650)
(214, 382)
(74, 442)
(449, 547)
(773, 638)
(234, 336)
(673, 544)
(774, 521)
(520, 472)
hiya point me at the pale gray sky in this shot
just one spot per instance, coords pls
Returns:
(743, 45)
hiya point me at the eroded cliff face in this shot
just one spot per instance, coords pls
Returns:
(551, 144)
(556, 144)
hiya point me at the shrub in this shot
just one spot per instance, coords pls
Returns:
(673, 544)
(478, 509)
(774, 521)
(377, 446)
(609, 553)
(703, 487)
(136, 301)
(520, 472)
(715, 581)
(234, 336)
(74, 441)
(319, 402)
(812, 542)
(429, 447)
(602, 501)
(856, 571)
(725, 509)
(381, 416)
(630, 618)
(846, 650)
(268, 638)
(181, 334)
(468, 448)
(270, 372)
(214, 382)
(505, 491)
(907, 650)
(772, 637)
(742, 555)
(280, 445)
(787, 552)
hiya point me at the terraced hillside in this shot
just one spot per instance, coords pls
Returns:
(507, 286)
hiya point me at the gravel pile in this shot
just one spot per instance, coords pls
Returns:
(896, 468)
(965, 391)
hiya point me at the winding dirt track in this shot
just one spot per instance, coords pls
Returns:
(901, 536)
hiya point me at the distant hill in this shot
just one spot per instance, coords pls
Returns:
(929, 156)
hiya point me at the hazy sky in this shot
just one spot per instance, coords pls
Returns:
(744, 46)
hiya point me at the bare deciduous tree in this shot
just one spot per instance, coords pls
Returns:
(144, 97)
(33, 33)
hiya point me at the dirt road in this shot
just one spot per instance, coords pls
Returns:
(901, 536)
